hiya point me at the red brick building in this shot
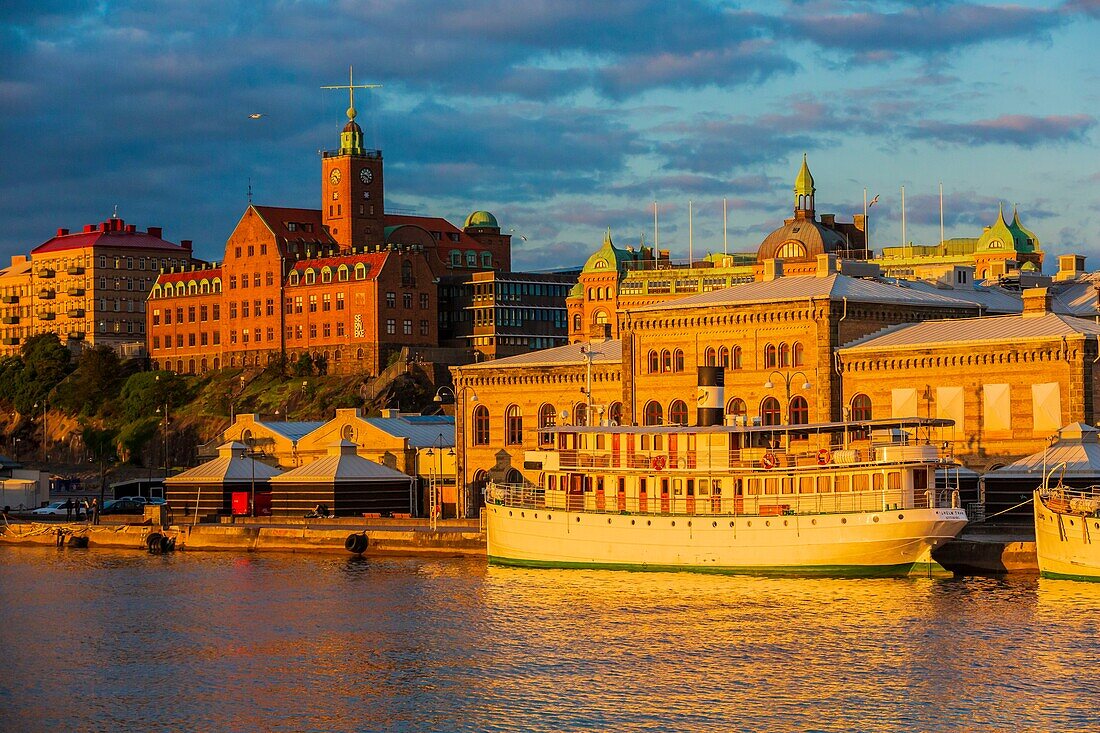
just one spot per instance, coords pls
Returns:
(347, 283)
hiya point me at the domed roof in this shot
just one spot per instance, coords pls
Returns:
(353, 126)
(481, 219)
(806, 235)
(607, 258)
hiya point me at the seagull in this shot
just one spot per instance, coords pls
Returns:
(255, 115)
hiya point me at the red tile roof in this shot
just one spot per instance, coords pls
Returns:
(435, 224)
(373, 260)
(105, 236)
(208, 273)
(277, 217)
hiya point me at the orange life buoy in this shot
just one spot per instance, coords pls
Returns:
(658, 463)
(769, 461)
(824, 456)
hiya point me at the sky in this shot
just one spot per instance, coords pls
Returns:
(561, 118)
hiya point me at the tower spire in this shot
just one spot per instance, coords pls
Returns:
(804, 191)
(351, 139)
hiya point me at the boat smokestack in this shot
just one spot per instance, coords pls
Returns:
(712, 380)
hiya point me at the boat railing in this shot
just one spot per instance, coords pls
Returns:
(534, 497)
(1065, 500)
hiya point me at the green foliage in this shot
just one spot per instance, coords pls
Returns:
(45, 362)
(134, 436)
(100, 442)
(98, 377)
(146, 392)
(303, 366)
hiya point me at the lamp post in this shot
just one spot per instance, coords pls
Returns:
(45, 448)
(435, 481)
(249, 454)
(787, 378)
(165, 414)
(462, 500)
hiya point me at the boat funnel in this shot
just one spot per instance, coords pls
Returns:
(712, 380)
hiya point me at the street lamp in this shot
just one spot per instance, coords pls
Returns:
(165, 414)
(788, 378)
(252, 486)
(441, 397)
(435, 480)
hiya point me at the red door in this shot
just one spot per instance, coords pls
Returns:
(665, 501)
(239, 504)
(576, 492)
(615, 450)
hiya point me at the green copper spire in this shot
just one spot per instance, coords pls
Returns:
(804, 189)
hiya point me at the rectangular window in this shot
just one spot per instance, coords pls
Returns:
(244, 336)
(217, 312)
(232, 337)
(424, 327)
(339, 301)
(289, 306)
(339, 328)
(232, 282)
(326, 302)
(156, 316)
(179, 313)
(391, 300)
(244, 309)
(244, 280)
(156, 342)
(423, 301)
(270, 307)
(313, 330)
(233, 309)
(407, 327)
(313, 304)
(204, 313)
(179, 339)
(217, 337)
(391, 325)
(326, 330)
(256, 280)
(297, 304)
(204, 338)
(190, 339)
(407, 300)
(270, 334)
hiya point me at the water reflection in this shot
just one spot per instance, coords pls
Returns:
(126, 641)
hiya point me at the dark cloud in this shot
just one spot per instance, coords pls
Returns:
(1021, 130)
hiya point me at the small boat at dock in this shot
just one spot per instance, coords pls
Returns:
(1067, 532)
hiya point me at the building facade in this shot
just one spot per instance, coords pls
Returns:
(88, 287)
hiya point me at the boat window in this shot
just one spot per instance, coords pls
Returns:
(601, 441)
(599, 483)
(553, 483)
(788, 485)
(641, 485)
(658, 442)
(920, 479)
(771, 485)
(664, 487)
(840, 483)
(645, 442)
(678, 487)
(754, 487)
(622, 485)
(823, 485)
(806, 485)
(878, 482)
(894, 480)
(691, 487)
(859, 482)
(704, 487)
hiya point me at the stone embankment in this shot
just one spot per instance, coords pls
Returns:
(449, 537)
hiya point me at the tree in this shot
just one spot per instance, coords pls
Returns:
(146, 392)
(101, 446)
(98, 377)
(45, 363)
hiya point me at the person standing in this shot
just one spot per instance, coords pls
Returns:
(87, 510)
(95, 511)
(68, 509)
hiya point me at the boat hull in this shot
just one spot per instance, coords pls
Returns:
(864, 543)
(1067, 545)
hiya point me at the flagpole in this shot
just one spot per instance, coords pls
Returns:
(941, 214)
(691, 238)
(656, 237)
(866, 228)
(903, 216)
(725, 242)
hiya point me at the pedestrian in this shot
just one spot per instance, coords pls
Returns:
(87, 510)
(68, 509)
(95, 511)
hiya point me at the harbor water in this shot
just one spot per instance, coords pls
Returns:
(125, 641)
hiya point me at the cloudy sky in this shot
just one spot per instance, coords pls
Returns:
(562, 118)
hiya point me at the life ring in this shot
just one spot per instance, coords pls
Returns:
(824, 456)
(658, 463)
(769, 461)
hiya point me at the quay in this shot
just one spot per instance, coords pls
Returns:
(383, 536)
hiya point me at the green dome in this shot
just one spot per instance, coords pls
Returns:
(607, 257)
(481, 219)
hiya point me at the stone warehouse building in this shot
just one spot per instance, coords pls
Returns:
(88, 287)
(348, 284)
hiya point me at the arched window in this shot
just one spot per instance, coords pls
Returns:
(600, 318)
(471, 258)
(724, 357)
(481, 425)
(294, 277)
(654, 362)
(653, 414)
(678, 360)
(548, 418)
(799, 412)
(736, 406)
(666, 360)
(709, 356)
(513, 426)
(326, 274)
(456, 258)
(770, 411)
(784, 355)
(791, 250)
(615, 413)
(861, 407)
(770, 357)
(406, 272)
(342, 273)
(486, 259)
(311, 276)
(735, 358)
(678, 413)
(576, 322)
(217, 288)
(360, 271)
(580, 414)
(798, 354)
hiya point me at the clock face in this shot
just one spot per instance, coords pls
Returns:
(366, 176)
(334, 176)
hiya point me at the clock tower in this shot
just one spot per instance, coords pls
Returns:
(352, 203)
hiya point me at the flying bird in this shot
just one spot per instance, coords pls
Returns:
(255, 115)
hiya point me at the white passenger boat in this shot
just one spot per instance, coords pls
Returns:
(831, 498)
(1067, 533)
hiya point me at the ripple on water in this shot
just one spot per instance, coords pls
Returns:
(125, 641)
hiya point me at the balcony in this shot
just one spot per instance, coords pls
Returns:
(47, 294)
(76, 291)
(47, 273)
(11, 341)
(75, 270)
(75, 313)
(76, 335)
(11, 320)
(9, 299)
(47, 316)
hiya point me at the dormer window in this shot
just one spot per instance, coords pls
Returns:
(291, 226)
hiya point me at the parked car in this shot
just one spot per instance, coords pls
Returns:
(139, 499)
(57, 508)
(123, 506)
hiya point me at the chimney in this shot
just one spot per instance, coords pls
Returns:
(1037, 302)
(131, 228)
(390, 413)
(828, 220)
(711, 396)
(773, 268)
(1070, 267)
(89, 228)
(826, 265)
(155, 232)
(62, 232)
